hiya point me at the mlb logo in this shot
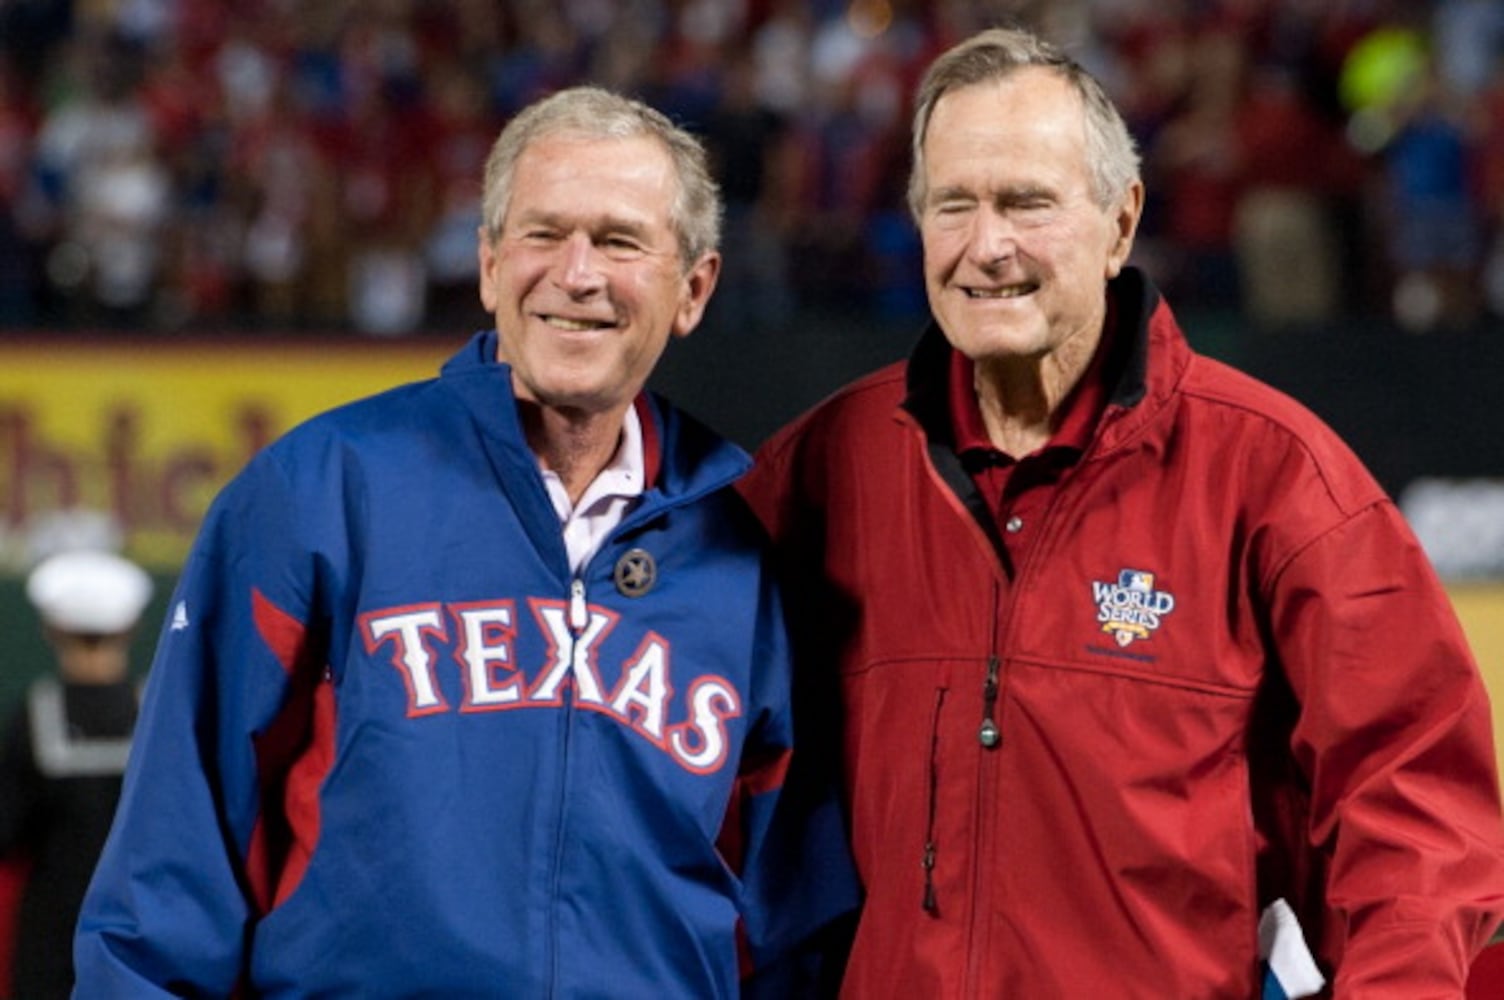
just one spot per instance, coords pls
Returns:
(1131, 609)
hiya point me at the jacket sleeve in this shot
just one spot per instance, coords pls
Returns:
(784, 834)
(1394, 737)
(175, 894)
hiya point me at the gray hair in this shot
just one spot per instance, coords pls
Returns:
(596, 113)
(996, 53)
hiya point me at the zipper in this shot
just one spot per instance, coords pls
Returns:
(578, 616)
(988, 734)
(929, 903)
(984, 833)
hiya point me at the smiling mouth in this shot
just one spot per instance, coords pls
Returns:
(576, 325)
(1006, 292)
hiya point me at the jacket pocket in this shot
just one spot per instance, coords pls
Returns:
(932, 794)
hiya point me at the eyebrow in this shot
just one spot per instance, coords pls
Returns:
(950, 194)
(594, 226)
(1011, 195)
(1026, 192)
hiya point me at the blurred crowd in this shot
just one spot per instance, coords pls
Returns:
(196, 165)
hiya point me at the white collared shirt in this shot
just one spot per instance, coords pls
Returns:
(606, 500)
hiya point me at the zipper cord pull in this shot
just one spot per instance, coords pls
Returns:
(579, 617)
(989, 735)
(929, 877)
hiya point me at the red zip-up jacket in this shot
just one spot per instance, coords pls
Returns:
(1223, 673)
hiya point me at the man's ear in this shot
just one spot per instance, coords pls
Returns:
(485, 253)
(699, 284)
(1125, 222)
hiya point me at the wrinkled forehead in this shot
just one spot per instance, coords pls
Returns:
(581, 173)
(1020, 95)
(1006, 119)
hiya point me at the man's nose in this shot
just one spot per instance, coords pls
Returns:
(994, 238)
(580, 266)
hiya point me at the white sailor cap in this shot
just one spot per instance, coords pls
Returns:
(89, 592)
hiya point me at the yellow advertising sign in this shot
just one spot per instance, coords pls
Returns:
(1480, 606)
(149, 432)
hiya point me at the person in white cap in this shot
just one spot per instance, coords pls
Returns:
(64, 753)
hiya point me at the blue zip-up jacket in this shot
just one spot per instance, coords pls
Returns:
(392, 747)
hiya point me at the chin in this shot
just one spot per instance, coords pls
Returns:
(982, 341)
(585, 399)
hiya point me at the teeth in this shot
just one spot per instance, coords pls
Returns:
(574, 325)
(1011, 292)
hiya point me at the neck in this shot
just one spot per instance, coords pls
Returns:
(1021, 398)
(573, 444)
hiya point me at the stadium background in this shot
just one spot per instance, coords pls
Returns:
(220, 216)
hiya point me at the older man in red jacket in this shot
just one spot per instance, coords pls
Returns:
(1128, 647)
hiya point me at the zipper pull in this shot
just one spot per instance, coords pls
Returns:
(929, 877)
(989, 735)
(578, 616)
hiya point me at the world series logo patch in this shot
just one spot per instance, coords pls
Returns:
(1131, 609)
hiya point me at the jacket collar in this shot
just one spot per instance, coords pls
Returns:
(1152, 356)
(692, 459)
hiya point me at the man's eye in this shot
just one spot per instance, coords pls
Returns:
(541, 235)
(952, 214)
(622, 247)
